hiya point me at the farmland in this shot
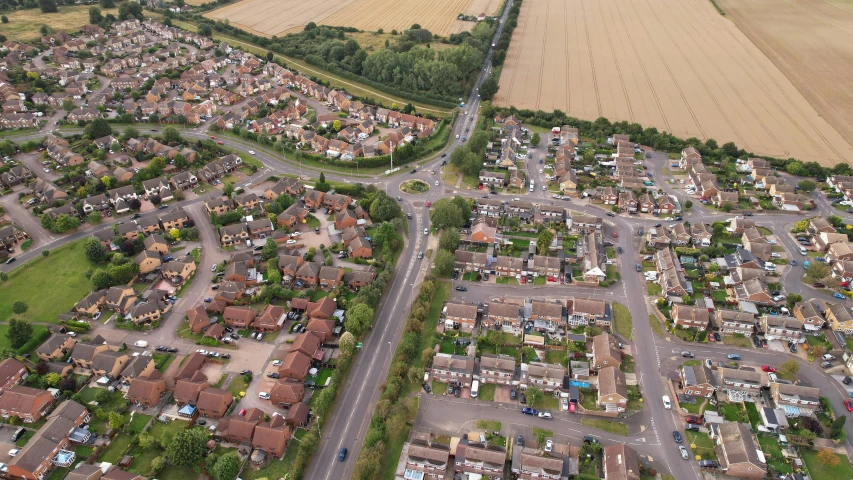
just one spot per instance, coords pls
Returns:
(676, 65)
(810, 43)
(24, 24)
(277, 17)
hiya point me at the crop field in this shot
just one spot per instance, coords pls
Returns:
(277, 17)
(810, 42)
(677, 65)
(25, 24)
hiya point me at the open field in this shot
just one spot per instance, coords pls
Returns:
(25, 24)
(676, 65)
(277, 17)
(806, 41)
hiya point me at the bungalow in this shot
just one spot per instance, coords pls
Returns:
(612, 390)
(605, 351)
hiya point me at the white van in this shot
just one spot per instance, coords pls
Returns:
(475, 386)
(141, 343)
(666, 403)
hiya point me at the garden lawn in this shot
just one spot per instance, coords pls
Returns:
(752, 414)
(737, 341)
(773, 452)
(65, 268)
(158, 429)
(487, 392)
(237, 385)
(622, 320)
(504, 280)
(733, 412)
(275, 468)
(116, 450)
(823, 472)
(492, 425)
(142, 459)
(162, 361)
(606, 425)
(139, 421)
(653, 288)
(701, 444)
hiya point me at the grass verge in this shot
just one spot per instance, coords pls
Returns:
(622, 321)
(606, 425)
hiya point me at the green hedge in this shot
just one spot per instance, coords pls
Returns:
(78, 326)
(40, 334)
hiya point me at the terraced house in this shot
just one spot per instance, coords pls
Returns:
(547, 376)
(498, 369)
(460, 316)
(795, 400)
(448, 368)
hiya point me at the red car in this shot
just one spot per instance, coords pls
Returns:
(768, 369)
(694, 419)
(572, 407)
(552, 278)
(849, 405)
(221, 142)
(428, 203)
(213, 137)
(711, 338)
(615, 234)
(523, 279)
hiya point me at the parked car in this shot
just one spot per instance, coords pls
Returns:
(513, 394)
(756, 342)
(519, 440)
(847, 381)
(683, 451)
(549, 445)
(461, 288)
(849, 405)
(694, 419)
(692, 427)
(838, 295)
(677, 436)
(426, 387)
(545, 415)
(529, 411)
(733, 356)
(768, 369)
(687, 354)
(717, 337)
(264, 396)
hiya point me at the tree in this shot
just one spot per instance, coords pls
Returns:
(546, 236)
(489, 88)
(227, 467)
(534, 395)
(157, 463)
(68, 105)
(384, 208)
(444, 263)
(205, 29)
(4, 19)
(727, 207)
(828, 458)
(4, 276)
(20, 332)
(19, 307)
(95, 16)
(818, 350)
(42, 368)
(534, 141)
(68, 384)
(688, 204)
(807, 185)
(449, 240)
(145, 440)
(101, 280)
(52, 379)
(116, 420)
(270, 250)
(446, 214)
(817, 271)
(359, 318)
(187, 448)
(48, 6)
(385, 236)
(789, 368)
(94, 218)
(347, 344)
(98, 128)
(228, 189)
(156, 200)
(45, 253)
(107, 3)
(94, 251)
(837, 432)
(170, 134)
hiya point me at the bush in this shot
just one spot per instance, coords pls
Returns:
(39, 336)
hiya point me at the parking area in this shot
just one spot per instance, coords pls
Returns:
(502, 394)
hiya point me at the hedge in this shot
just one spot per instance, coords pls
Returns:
(40, 334)
(74, 324)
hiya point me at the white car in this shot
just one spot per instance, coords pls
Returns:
(14, 452)
(775, 255)
(544, 415)
(276, 363)
(666, 403)
(251, 152)
(541, 171)
(213, 268)
(457, 136)
(436, 183)
(290, 242)
(771, 242)
(264, 396)
(778, 298)
(203, 352)
(549, 445)
(141, 343)
(426, 231)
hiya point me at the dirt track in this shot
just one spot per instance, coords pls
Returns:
(674, 64)
(811, 41)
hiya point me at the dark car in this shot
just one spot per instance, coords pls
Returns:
(694, 419)
(588, 439)
(426, 387)
(756, 342)
(519, 441)
(457, 392)
(708, 464)
(450, 389)
(343, 455)
(226, 356)
(619, 249)
(677, 436)
(847, 381)
(160, 348)
(135, 216)
(513, 394)
(639, 268)
(202, 421)
(717, 337)
(611, 214)
(172, 350)
(455, 275)
(272, 375)
(529, 411)
(10, 260)
(461, 288)
(691, 427)
(523, 399)
(245, 372)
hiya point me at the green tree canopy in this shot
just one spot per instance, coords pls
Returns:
(20, 332)
(187, 447)
(444, 263)
(98, 128)
(226, 467)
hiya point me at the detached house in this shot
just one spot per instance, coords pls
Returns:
(612, 390)
(28, 404)
(737, 451)
(698, 381)
(795, 400)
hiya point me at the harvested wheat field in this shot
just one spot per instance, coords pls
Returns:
(276, 17)
(25, 24)
(811, 41)
(677, 65)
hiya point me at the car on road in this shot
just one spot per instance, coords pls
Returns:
(426, 231)
(519, 441)
(667, 404)
(687, 354)
(677, 436)
(683, 451)
(420, 255)
(572, 407)
(589, 439)
(202, 351)
(436, 183)
(10, 260)
(818, 285)
(615, 234)
(461, 288)
(544, 415)
(342, 455)
(733, 356)
(837, 295)
(847, 380)
(639, 268)
(172, 350)
(529, 411)
(428, 204)
(264, 396)
(793, 263)
(549, 445)
(160, 348)
(849, 405)
(220, 142)
(768, 369)
(611, 214)
(409, 216)
(251, 152)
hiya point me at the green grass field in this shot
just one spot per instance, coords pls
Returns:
(622, 321)
(606, 425)
(819, 471)
(49, 285)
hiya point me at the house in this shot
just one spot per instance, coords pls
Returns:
(448, 368)
(11, 373)
(28, 404)
(271, 319)
(741, 385)
(16, 176)
(54, 348)
(238, 429)
(109, 363)
(330, 277)
(187, 389)
(197, 319)
(811, 316)
(176, 219)
(183, 181)
(308, 274)
(297, 415)
(580, 223)
(239, 317)
(795, 400)
(345, 219)
(737, 452)
(612, 389)
(839, 251)
(505, 316)
(621, 463)
(781, 327)
(536, 464)
(286, 392)
(138, 366)
(698, 381)
(426, 460)
(218, 205)
(588, 311)
(818, 225)
(823, 240)
(360, 278)
(156, 243)
(295, 366)
(547, 376)
(499, 369)
(120, 298)
(546, 316)
(733, 322)
(466, 261)
(231, 235)
(84, 353)
(148, 261)
(480, 459)
(460, 316)
(545, 266)
(755, 291)
(147, 390)
(690, 317)
(214, 402)
(285, 186)
(605, 351)
(292, 216)
(272, 436)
